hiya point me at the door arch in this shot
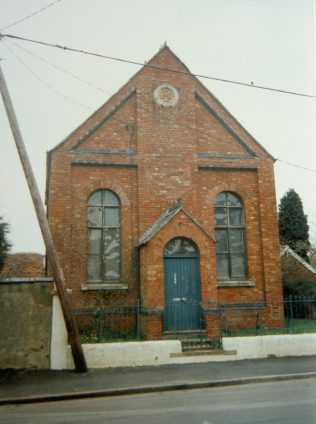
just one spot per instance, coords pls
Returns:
(182, 286)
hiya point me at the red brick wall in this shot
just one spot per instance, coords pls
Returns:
(165, 163)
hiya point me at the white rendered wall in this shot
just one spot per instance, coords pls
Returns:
(105, 355)
(169, 352)
(128, 354)
(279, 345)
(58, 354)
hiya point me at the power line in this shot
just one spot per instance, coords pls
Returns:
(31, 15)
(106, 91)
(166, 118)
(45, 83)
(65, 48)
(61, 69)
(296, 166)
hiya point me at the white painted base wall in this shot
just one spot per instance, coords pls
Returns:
(278, 345)
(58, 349)
(106, 355)
(127, 354)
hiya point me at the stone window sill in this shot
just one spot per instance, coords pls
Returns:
(103, 286)
(231, 283)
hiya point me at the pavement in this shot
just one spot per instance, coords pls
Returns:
(33, 385)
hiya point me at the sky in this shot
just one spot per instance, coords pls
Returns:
(267, 43)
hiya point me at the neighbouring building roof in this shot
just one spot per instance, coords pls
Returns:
(23, 265)
(286, 251)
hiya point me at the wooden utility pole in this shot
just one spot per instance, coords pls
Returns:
(73, 335)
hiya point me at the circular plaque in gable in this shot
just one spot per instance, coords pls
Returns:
(166, 95)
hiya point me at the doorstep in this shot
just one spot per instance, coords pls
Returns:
(214, 352)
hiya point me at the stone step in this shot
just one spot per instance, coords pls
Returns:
(184, 335)
(200, 345)
(197, 353)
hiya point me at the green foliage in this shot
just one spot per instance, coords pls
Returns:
(299, 288)
(293, 226)
(292, 326)
(5, 245)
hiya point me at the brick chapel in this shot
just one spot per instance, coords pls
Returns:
(162, 196)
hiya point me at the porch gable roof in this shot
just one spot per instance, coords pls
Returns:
(172, 211)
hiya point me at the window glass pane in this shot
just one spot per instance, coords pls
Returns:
(94, 216)
(187, 247)
(238, 265)
(220, 216)
(111, 217)
(112, 269)
(95, 241)
(222, 268)
(110, 199)
(94, 267)
(173, 247)
(233, 200)
(180, 246)
(95, 199)
(236, 240)
(111, 253)
(235, 216)
(221, 237)
(220, 199)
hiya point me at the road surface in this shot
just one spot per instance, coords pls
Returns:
(288, 402)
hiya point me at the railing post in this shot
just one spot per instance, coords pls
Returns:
(291, 307)
(138, 319)
(258, 318)
(99, 324)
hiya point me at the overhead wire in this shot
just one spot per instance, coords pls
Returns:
(61, 70)
(296, 166)
(148, 65)
(30, 15)
(106, 91)
(46, 83)
(166, 118)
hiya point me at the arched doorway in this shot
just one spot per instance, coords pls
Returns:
(182, 286)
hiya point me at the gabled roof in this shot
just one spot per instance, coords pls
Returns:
(183, 70)
(287, 251)
(172, 211)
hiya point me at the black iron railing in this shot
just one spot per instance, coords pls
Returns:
(203, 322)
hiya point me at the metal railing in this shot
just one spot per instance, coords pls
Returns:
(124, 322)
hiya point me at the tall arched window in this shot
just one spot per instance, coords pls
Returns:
(103, 220)
(229, 235)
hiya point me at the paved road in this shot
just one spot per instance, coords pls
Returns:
(288, 402)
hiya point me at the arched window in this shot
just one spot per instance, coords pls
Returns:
(229, 235)
(180, 246)
(103, 220)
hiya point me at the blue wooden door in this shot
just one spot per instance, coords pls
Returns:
(182, 286)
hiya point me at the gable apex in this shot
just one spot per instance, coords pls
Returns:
(165, 49)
